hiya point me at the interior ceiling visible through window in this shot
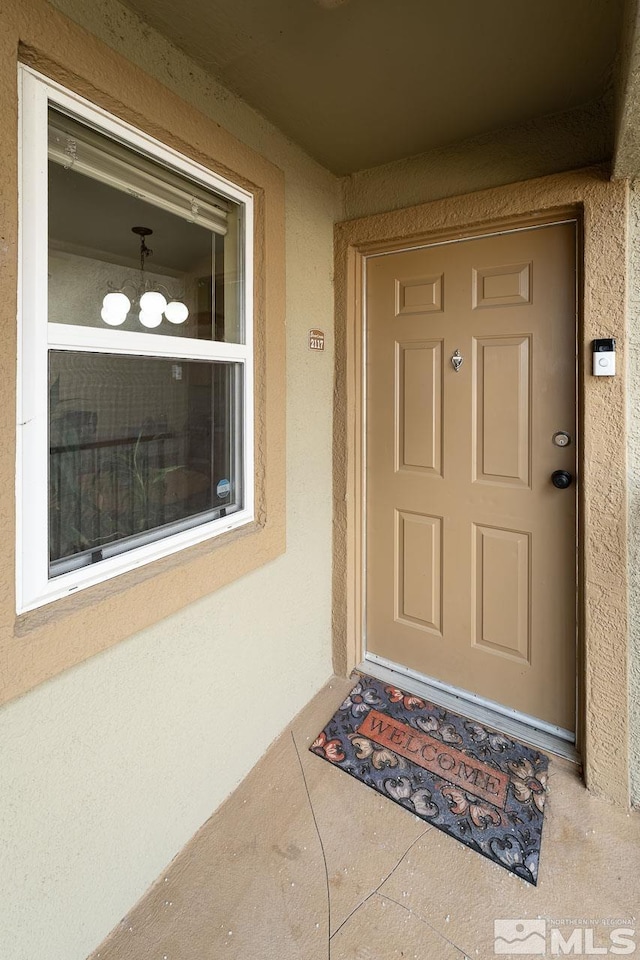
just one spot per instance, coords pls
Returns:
(86, 216)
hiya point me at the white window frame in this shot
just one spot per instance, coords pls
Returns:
(36, 336)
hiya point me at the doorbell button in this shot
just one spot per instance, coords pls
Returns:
(604, 357)
(604, 364)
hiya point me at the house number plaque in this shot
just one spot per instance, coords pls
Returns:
(316, 339)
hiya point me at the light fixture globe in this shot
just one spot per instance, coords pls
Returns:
(115, 307)
(153, 302)
(150, 318)
(112, 318)
(176, 311)
(117, 303)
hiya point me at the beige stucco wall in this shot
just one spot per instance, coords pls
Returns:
(533, 148)
(633, 411)
(110, 767)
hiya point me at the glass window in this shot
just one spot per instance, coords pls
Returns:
(135, 411)
(138, 447)
(122, 227)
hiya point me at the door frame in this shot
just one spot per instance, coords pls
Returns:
(599, 207)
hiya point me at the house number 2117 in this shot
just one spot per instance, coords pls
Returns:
(316, 340)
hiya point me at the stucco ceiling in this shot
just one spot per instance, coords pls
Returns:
(362, 82)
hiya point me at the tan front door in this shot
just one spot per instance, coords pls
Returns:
(471, 549)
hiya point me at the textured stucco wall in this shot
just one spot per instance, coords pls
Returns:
(633, 413)
(109, 768)
(534, 148)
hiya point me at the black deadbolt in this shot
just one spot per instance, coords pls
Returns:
(561, 479)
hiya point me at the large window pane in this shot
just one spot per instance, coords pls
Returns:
(99, 191)
(139, 447)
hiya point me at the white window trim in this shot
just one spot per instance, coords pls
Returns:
(36, 336)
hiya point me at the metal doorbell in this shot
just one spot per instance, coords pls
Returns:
(604, 357)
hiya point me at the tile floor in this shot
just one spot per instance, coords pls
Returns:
(256, 881)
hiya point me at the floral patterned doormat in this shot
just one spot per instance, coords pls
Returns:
(479, 786)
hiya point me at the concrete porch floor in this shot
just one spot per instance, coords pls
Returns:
(253, 881)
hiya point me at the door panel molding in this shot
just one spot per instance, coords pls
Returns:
(496, 359)
(421, 448)
(496, 550)
(418, 596)
(501, 286)
(599, 206)
(423, 295)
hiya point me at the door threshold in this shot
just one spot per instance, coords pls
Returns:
(539, 734)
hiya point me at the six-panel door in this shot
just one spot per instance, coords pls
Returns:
(471, 550)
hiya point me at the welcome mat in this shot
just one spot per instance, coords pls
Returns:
(479, 786)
